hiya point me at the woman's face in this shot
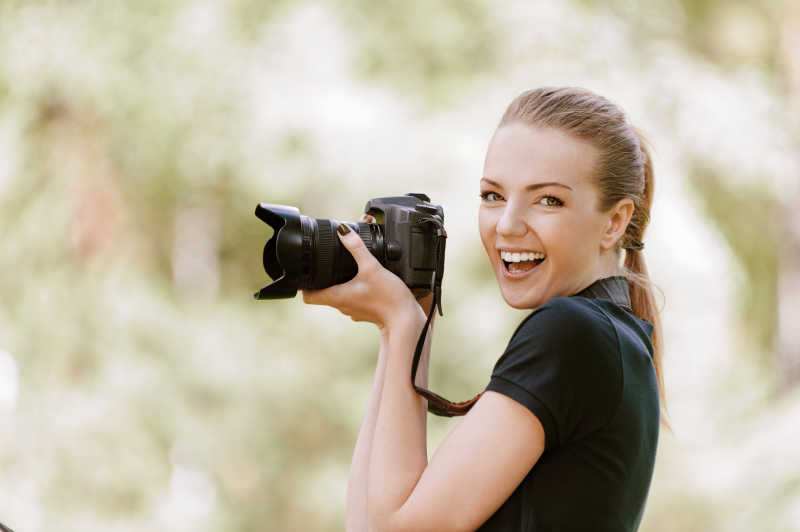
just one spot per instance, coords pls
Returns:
(537, 199)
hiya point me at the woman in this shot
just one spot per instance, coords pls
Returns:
(565, 435)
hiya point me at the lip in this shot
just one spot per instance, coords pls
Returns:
(520, 275)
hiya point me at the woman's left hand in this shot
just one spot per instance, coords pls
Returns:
(375, 294)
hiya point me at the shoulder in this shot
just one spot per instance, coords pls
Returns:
(568, 323)
(564, 363)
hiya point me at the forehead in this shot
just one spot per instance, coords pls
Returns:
(520, 155)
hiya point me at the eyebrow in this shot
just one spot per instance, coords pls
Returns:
(534, 186)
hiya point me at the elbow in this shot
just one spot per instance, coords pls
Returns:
(394, 523)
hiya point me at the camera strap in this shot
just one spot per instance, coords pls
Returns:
(437, 404)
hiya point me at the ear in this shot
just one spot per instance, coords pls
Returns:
(618, 218)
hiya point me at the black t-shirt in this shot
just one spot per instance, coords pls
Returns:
(583, 364)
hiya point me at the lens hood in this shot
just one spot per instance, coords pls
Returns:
(287, 239)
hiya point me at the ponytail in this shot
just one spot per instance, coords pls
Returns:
(643, 300)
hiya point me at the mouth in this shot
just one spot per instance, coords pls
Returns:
(516, 265)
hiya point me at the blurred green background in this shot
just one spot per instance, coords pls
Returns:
(142, 387)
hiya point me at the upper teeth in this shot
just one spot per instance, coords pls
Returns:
(518, 257)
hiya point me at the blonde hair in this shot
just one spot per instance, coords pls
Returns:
(624, 170)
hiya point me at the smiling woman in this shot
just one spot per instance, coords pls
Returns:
(570, 418)
(541, 198)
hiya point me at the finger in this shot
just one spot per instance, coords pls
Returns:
(335, 295)
(311, 297)
(322, 296)
(355, 246)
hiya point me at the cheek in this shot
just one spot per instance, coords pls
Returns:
(564, 238)
(574, 244)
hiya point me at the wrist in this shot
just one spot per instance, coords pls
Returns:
(409, 317)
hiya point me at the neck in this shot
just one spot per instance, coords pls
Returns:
(609, 265)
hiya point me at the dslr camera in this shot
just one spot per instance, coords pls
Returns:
(407, 238)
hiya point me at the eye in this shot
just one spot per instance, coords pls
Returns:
(490, 196)
(551, 201)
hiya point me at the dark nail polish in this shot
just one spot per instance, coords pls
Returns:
(343, 229)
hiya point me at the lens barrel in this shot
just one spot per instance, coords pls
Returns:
(305, 252)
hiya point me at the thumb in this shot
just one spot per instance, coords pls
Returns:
(355, 245)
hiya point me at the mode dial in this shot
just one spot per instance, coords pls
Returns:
(419, 196)
(430, 209)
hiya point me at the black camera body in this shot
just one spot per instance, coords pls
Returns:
(409, 241)
(407, 238)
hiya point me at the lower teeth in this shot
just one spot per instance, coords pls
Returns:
(522, 266)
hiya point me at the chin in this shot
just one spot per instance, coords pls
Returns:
(519, 297)
(519, 302)
(520, 306)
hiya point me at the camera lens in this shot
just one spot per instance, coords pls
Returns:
(305, 252)
(331, 262)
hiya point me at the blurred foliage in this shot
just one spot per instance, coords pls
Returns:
(730, 33)
(427, 48)
(136, 139)
(748, 217)
(253, 18)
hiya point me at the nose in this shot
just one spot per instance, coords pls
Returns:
(511, 222)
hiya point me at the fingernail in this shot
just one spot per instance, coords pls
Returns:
(343, 229)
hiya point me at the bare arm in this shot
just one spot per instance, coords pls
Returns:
(399, 452)
(356, 520)
(493, 447)
(356, 506)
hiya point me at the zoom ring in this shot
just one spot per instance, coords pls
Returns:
(325, 251)
(366, 235)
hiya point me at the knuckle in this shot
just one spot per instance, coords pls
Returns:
(370, 268)
(360, 290)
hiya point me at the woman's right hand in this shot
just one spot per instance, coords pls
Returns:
(424, 301)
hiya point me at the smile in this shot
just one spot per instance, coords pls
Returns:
(518, 256)
(518, 265)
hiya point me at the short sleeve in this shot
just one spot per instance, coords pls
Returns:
(563, 363)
